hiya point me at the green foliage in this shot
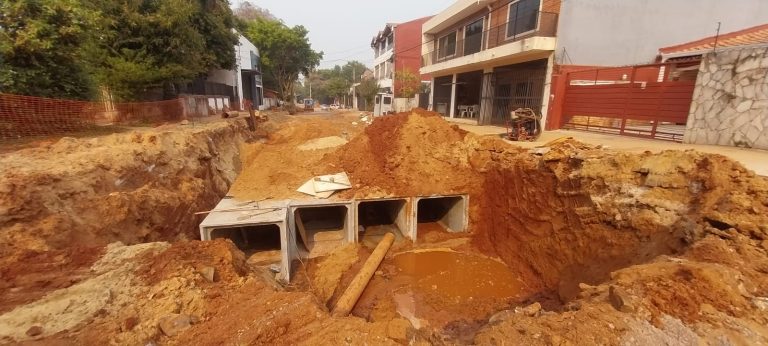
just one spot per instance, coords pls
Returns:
(338, 87)
(285, 54)
(367, 90)
(409, 83)
(149, 44)
(334, 82)
(248, 11)
(41, 48)
(63, 48)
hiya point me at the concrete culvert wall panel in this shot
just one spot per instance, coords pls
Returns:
(250, 239)
(450, 212)
(378, 217)
(318, 229)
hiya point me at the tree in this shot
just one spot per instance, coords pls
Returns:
(285, 54)
(367, 90)
(352, 70)
(408, 83)
(338, 87)
(42, 48)
(156, 45)
(247, 11)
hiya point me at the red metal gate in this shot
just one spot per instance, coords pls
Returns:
(647, 101)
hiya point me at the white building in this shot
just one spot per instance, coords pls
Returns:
(243, 83)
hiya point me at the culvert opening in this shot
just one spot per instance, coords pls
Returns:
(251, 238)
(379, 217)
(319, 230)
(441, 213)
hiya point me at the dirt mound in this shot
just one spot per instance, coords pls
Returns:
(275, 168)
(408, 154)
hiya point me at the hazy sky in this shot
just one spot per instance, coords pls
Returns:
(343, 29)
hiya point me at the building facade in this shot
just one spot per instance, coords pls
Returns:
(243, 84)
(397, 48)
(488, 58)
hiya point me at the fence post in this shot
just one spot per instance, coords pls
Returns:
(626, 101)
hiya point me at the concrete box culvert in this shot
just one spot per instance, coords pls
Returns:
(451, 212)
(376, 217)
(317, 228)
(253, 228)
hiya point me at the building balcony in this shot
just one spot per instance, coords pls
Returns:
(519, 40)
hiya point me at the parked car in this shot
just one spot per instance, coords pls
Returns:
(324, 107)
(335, 106)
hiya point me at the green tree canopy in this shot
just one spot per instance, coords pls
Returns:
(285, 54)
(42, 48)
(409, 83)
(367, 90)
(148, 44)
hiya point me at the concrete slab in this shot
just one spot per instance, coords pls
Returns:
(239, 220)
(317, 227)
(450, 211)
(376, 217)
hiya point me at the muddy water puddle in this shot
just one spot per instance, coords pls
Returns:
(436, 288)
(456, 275)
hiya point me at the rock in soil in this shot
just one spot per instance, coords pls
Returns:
(175, 324)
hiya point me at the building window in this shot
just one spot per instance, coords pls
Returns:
(446, 46)
(473, 37)
(522, 17)
(389, 42)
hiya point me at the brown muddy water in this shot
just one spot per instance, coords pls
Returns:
(457, 276)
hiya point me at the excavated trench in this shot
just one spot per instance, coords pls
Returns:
(501, 229)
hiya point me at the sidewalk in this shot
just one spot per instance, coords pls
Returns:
(754, 159)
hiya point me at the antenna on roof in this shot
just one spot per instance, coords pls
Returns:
(717, 35)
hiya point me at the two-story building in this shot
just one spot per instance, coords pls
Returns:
(489, 57)
(486, 58)
(241, 85)
(397, 48)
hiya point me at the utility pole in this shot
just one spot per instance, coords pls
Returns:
(717, 36)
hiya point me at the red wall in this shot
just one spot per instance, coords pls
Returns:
(407, 48)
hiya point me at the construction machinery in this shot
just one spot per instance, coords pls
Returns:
(309, 105)
(523, 125)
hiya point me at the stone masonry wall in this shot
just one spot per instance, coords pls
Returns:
(730, 102)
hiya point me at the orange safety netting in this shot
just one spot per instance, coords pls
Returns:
(27, 116)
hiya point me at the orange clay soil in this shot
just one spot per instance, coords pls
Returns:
(608, 247)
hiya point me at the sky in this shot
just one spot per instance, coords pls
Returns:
(343, 29)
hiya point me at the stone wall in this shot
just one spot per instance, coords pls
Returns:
(730, 102)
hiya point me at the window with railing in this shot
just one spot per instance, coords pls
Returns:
(473, 37)
(446, 46)
(522, 17)
(478, 36)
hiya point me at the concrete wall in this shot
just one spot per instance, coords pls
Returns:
(730, 103)
(227, 77)
(612, 33)
(245, 61)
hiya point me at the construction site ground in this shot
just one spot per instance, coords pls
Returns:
(753, 159)
(568, 244)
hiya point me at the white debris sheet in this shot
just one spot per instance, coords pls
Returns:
(323, 186)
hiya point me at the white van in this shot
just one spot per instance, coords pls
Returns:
(382, 104)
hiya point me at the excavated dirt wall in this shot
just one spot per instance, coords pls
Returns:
(61, 203)
(132, 188)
